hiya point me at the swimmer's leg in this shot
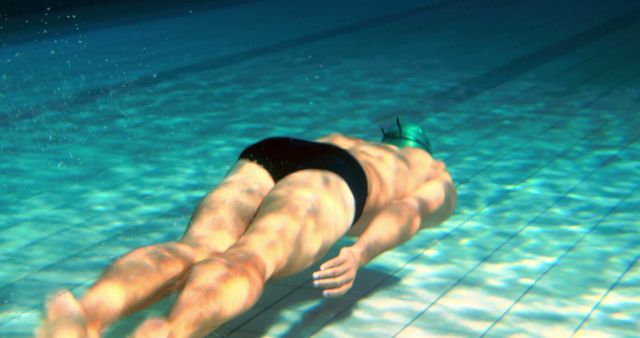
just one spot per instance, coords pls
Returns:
(147, 274)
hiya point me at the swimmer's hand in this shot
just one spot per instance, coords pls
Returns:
(336, 276)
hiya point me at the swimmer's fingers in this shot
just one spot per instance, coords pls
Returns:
(335, 269)
(337, 292)
(337, 275)
(335, 287)
(332, 278)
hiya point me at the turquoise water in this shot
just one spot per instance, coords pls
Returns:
(112, 130)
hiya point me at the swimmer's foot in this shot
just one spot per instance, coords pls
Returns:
(65, 318)
(153, 328)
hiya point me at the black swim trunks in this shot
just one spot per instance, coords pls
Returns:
(281, 156)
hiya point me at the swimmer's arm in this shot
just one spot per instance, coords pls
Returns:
(431, 204)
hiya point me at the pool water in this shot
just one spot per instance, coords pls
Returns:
(117, 120)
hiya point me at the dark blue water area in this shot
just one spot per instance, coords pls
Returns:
(37, 20)
(51, 50)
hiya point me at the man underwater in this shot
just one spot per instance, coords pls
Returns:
(278, 211)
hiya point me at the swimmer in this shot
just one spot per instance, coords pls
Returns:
(280, 208)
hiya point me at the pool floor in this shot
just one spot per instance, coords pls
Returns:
(112, 135)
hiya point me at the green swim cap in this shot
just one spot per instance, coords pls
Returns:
(408, 135)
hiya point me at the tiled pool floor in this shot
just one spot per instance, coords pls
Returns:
(534, 108)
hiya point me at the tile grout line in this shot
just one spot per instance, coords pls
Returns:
(608, 291)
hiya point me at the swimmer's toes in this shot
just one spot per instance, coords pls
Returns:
(153, 328)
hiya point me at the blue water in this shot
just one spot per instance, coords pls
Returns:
(116, 120)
